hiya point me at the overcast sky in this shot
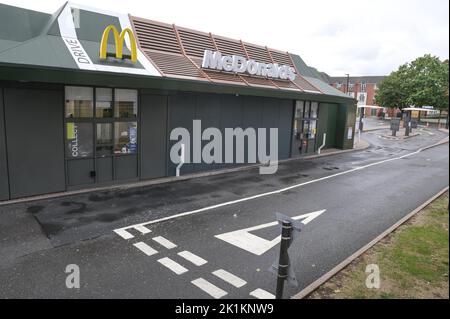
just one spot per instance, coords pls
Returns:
(359, 37)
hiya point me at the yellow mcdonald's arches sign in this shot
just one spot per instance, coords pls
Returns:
(119, 40)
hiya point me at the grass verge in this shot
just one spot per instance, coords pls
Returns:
(412, 261)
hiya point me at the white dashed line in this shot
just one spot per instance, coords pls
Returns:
(209, 288)
(164, 242)
(230, 278)
(144, 230)
(262, 294)
(172, 265)
(196, 260)
(146, 249)
(123, 233)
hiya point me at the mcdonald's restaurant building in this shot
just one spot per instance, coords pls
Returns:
(88, 98)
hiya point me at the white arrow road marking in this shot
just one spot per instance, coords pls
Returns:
(256, 245)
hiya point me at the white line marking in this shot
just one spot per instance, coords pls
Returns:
(196, 260)
(230, 278)
(172, 265)
(146, 249)
(282, 190)
(209, 288)
(262, 294)
(123, 233)
(144, 230)
(256, 245)
(164, 242)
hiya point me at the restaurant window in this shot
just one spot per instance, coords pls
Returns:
(103, 103)
(125, 137)
(126, 103)
(79, 102)
(104, 143)
(79, 140)
(314, 110)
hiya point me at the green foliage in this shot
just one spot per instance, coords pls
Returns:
(421, 82)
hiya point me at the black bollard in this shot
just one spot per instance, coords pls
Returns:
(283, 263)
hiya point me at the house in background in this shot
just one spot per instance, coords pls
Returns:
(363, 89)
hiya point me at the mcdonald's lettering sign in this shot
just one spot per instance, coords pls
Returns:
(119, 40)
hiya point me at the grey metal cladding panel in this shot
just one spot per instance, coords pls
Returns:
(18, 24)
(79, 172)
(181, 110)
(34, 132)
(42, 51)
(93, 24)
(325, 87)
(104, 169)
(153, 136)
(126, 167)
(285, 128)
(230, 117)
(4, 190)
(269, 119)
(208, 111)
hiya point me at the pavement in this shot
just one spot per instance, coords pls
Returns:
(216, 236)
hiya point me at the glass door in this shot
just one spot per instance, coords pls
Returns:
(305, 128)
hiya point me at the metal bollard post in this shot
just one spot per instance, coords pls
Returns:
(283, 264)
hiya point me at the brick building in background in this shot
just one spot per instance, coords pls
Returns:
(362, 88)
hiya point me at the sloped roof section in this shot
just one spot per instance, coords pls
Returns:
(70, 39)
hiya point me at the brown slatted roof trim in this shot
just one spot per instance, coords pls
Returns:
(282, 58)
(195, 43)
(220, 76)
(228, 46)
(174, 64)
(305, 85)
(286, 84)
(259, 81)
(156, 36)
(257, 53)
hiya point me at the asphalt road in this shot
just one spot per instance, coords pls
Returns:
(360, 193)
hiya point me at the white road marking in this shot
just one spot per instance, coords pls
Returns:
(230, 278)
(144, 230)
(164, 242)
(262, 294)
(146, 249)
(256, 245)
(172, 265)
(278, 191)
(209, 288)
(123, 233)
(196, 260)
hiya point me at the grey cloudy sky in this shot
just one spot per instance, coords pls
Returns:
(359, 37)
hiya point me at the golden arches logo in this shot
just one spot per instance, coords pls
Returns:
(119, 40)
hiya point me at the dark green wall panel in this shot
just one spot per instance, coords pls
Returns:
(4, 189)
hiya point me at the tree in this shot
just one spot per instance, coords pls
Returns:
(422, 82)
(428, 84)
(393, 90)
